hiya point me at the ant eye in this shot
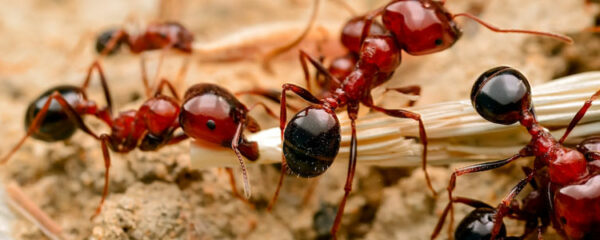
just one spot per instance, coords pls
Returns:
(211, 124)
(439, 42)
(501, 94)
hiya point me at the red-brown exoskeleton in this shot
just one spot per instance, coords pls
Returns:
(311, 140)
(566, 183)
(208, 113)
(157, 36)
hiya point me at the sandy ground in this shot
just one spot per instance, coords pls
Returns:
(157, 196)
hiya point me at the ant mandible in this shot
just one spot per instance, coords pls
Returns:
(164, 36)
(311, 140)
(566, 182)
(208, 114)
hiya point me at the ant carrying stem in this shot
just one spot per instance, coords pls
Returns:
(208, 114)
(311, 139)
(566, 181)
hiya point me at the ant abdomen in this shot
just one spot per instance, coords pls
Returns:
(103, 40)
(311, 141)
(501, 94)
(478, 225)
(57, 125)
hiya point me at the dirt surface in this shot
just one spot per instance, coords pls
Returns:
(157, 196)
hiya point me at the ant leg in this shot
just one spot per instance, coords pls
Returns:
(559, 37)
(398, 113)
(164, 82)
(145, 75)
(103, 82)
(368, 22)
(161, 59)
(478, 168)
(182, 71)
(317, 64)
(234, 146)
(310, 191)
(117, 36)
(409, 90)
(504, 206)
(267, 109)
(270, 94)
(306, 95)
(352, 114)
(278, 51)
(104, 141)
(234, 190)
(71, 114)
(579, 115)
(467, 201)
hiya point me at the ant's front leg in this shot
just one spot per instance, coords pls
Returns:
(579, 115)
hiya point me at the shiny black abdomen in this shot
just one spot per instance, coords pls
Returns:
(56, 126)
(312, 140)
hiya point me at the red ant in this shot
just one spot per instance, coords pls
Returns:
(207, 114)
(566, 181)
(165, 36)
(311, 139)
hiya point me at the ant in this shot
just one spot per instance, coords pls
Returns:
(566, 181)
(164, 36)
(311, 139)
(208, 114)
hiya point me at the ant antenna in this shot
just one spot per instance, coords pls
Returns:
(278, 51)
(559, 37)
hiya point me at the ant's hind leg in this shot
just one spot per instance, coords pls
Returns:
(304, 94)
(104, 141)
(352, 113)
(414, 90)
(477, 168)
(35, 124)
(467, 201)
(504, 206)
(318, 65)
(399, 113)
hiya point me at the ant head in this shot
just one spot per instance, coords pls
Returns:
(103, 40)
(57, 125)
(211, 114)
(311, 141)
(160, 114)
(501, 95)
(421, 26)
(478, 224)
(352, 32)
(382, 52)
